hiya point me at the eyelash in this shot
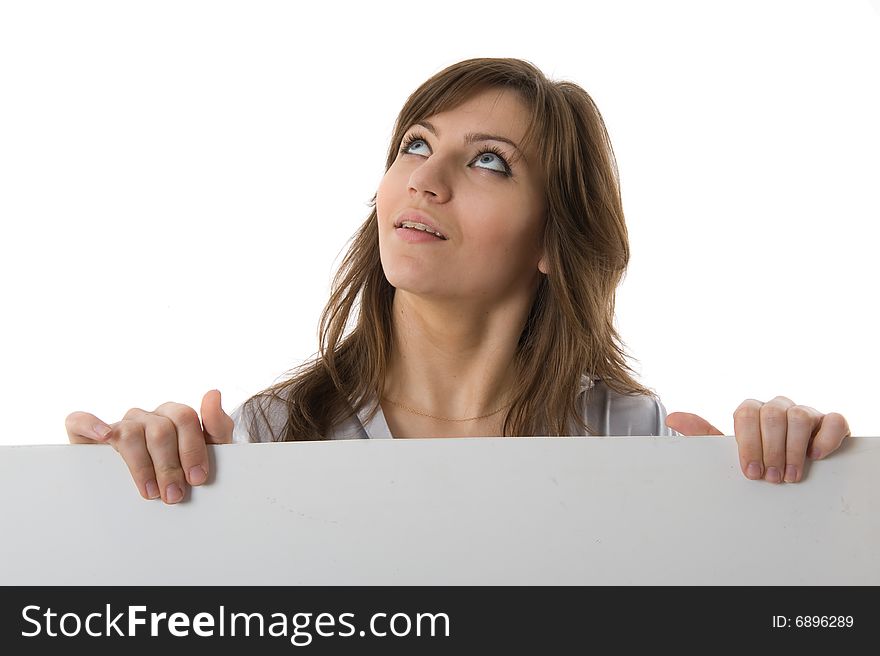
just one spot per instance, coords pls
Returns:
(408, 141)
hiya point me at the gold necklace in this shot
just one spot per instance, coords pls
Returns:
(425, 414)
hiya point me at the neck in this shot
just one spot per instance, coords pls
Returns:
(451, 359)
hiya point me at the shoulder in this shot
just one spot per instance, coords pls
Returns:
(609, 412)
(264, 417)
(261, 418)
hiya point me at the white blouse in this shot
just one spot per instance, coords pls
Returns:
(605, 410)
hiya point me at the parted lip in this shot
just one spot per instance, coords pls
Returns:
(419, 217)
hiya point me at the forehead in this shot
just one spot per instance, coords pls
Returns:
(498, 109)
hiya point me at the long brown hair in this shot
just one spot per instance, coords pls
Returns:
(569, 332)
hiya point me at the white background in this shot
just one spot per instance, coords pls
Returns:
(178, 181)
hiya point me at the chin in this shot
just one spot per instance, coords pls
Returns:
(409, 280)
(408, 283)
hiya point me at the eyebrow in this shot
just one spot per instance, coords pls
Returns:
(473, 137)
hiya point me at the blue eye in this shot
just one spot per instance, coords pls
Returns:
(487, 151)
(409, 142)
(490, 154)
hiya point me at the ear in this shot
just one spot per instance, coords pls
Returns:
(542, 265)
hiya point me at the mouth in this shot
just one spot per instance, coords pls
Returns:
(416, 225)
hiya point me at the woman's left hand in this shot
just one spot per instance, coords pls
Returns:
(773, 437)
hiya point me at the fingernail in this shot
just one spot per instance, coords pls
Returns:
(773, 475)
(101, 430)
(197, 475)
(173, 493)
(816, 454)
(790, 473)
(754, 470)
(152, 489)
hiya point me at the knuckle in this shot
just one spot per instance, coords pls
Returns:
(799, 414)
(749, 449)
(134, 413)
(142, 471)
(748, 409)
(161, 434)
(839, 422)
(128, 430)
(835, 418)
(167, 471)
(773, 416)
(193, 454)
(180, 414)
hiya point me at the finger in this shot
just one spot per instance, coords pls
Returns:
(803, 421)
(191, 452)
(85, 428)
(689, 424)
(774, 430)
(747, 428)
(832, 431)
(160, 436)
(218, 426)
(129, 441)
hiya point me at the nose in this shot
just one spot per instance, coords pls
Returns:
(428, 180)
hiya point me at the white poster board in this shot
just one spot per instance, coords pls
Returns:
(573, 510)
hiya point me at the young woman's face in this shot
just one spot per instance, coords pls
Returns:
(488, 206)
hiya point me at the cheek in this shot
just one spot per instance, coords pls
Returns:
(501, 242)
(389, 189)
(381, 194)
(498, 258)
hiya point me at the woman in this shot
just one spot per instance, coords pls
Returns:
(479, 294)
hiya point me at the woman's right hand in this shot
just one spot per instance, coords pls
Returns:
(164, 449)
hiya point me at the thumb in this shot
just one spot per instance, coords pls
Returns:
(690, 424)
(217, 424)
